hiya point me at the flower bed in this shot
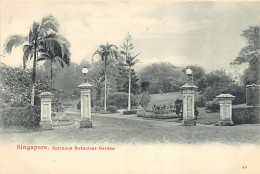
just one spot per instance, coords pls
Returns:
(157, 115)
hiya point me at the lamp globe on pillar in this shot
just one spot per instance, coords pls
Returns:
(190, 75)
(85, 91)
(84, 72)
(188, 91)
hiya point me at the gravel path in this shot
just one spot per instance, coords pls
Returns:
(121, 129)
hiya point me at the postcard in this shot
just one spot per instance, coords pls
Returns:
(129, 87)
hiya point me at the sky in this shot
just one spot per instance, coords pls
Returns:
(181, 33)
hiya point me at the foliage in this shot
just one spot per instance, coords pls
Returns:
(212, 106)
(246, 115)
(28, 116)
(111, 109)
(250, 54)
(178, 107)
(239, 92)
(106, 52)
(130, 61)
(40, 34)
(216, 82)
(122, 80)
(55, 53)
(162, 77)
(16, 84)
(120, 100)
(162, 109)
(252, 94)
(129, 112)
(144, 99)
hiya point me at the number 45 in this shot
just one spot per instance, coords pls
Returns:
(244, 167)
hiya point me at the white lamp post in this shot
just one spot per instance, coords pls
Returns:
(85, 97)
(84, 72)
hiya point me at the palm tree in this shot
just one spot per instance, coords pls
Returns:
(105, 52)
(39, 33)
(130, 62)
(55, 51)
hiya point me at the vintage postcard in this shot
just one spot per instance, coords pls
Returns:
(129, 86)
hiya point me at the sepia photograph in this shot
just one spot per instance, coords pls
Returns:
(129, 86)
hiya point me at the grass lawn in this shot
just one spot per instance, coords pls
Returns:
(167, 98)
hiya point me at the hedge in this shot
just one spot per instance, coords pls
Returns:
(28, 116)
(120, 100)
(129, 112)
(245, 115)
(212, 106)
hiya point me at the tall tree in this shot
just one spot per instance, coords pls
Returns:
(106, 52)
(54, 52)
(250, 54)
(122, 79)
(39, 33)
(130, 60)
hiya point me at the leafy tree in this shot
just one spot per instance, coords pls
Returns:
(54, 52)
(39, 34)
(106, 52)
(163, 77)
(218, 82)
(130, 59)
(250, 54)
(122, 80)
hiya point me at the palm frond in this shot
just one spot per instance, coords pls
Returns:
(111, 45)
(50, 18)
(60, 61)
(13, 41)
(46, 26)
(44, 55)
(55, 46)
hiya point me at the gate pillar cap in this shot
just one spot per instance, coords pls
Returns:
(188, 86)
(85, 85)
(46, 95)
(225, 96)
(253, 85)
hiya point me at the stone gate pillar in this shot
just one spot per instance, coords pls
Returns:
(188, 91)
(225, 101)
(46, 98)
(85, 121)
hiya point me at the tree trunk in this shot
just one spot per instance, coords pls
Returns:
(129, 90)
(105, 102)
(34, 75)
(51, 71)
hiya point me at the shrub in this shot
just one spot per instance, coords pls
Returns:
(212, 106)
(178, 106)
(21, 116)
(252, 94)
(111, 109)
(129, 112)
(120, 100)
(201, 102)
(16, 88)
(79, 105)
(144, 99)
(246, 115)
